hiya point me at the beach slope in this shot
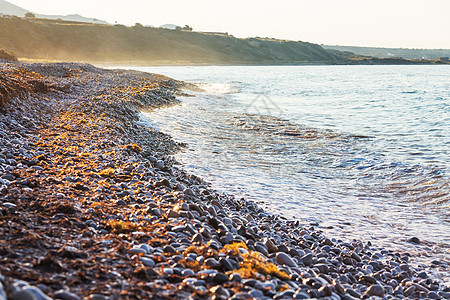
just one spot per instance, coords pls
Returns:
(93, 206)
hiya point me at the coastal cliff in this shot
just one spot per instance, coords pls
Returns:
(75, 41)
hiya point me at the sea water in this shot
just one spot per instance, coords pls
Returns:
(361, 152)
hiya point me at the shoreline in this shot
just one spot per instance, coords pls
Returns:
(92, 205)
(363, 62)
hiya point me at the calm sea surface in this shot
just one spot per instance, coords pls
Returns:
(364, 151)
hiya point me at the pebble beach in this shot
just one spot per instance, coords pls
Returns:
(93, 206)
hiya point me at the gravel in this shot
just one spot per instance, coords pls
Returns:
(94, 206)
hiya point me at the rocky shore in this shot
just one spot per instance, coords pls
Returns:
(92, 206)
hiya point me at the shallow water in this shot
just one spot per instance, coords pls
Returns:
(361, 150)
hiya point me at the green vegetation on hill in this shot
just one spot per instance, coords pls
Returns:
(75, 41)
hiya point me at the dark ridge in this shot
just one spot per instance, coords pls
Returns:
(5, 55)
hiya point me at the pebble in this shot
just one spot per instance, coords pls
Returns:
(242, 296)
(220, 278)
(287, 294)
(23, 295)
(97, 297)
(9, 177)
(9, 205)
(30, 292)
(270, 245)
(197, 238)
(212, 263)
(414, 240)
(167, 272)
(433, 295)
(353, 293)
(2, 292)
(169, 249)
(409, 291)
(422, 275)
(256, 293)
(301, 295)
(235, 277)
(339, 287)
(219, 290)
(262, 249)
(65, 295)
(173, 214)
(160, 164)
(187, 273)
(284, 259)
(37, 168)
(375, 290)
(137, 250)
(307, 259)
(152, 159)
(368, 279)
(356, 257)
(326, 290)
(148, 262)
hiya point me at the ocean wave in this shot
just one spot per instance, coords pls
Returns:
(217, 88)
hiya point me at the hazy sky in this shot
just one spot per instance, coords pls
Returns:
(380, 23)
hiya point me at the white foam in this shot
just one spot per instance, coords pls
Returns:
(218, 88)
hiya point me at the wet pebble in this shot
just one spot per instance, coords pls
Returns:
(221, 291)
(414, 240)
(187, 273)
(148, 262)
(173, 214)
(422, 275)
(9, 205)
(301, 295)
(375, 290)
(197, 238)
(433, 295)
(307, 259)
(159, 164)
(220, 278)
(31, 293)
(284, 259)
(368, 279)
(261, 248)
(212, 263)
(242, 296)
(235, 277)
(137, 250)
(2, 292)
(65, 295)
(270, 245)
(256, 293)
(287, 294)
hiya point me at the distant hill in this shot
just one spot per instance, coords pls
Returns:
(169, 26)
(72, 41)
(11, 9)
(7, 8)
(75, 18)
(392, 52)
